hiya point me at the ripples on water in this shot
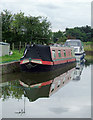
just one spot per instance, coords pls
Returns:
(57, 94)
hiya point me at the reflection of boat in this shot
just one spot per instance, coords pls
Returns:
(32, 78)
(78, 48)
(78, 71)
(46, 88)
(41, 58)
(61, 80)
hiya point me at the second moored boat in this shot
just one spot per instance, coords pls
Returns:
(78, 48)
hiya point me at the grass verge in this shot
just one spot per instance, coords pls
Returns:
(14, 57)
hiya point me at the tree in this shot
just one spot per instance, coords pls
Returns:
(59, 37)
(19, 27)
(82, 33)
(7, 18)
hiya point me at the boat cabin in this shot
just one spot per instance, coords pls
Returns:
(61, 54)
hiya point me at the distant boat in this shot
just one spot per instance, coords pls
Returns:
(78, 48)
(41, 58)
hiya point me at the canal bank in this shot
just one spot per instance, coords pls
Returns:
(9, 67)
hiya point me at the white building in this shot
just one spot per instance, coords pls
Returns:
(4, 48)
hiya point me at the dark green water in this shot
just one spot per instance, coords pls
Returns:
(63, 94)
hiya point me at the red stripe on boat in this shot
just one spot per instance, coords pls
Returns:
(49, 62)
(46, 83)
(39, 85)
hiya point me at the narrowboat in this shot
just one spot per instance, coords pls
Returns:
(78, 48)
(42, 58)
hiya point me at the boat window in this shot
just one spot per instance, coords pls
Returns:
(59, 53)
(75, 49)
(52, 87)
(64, 53)
(58, 84)
(53, 53)
(73, 43)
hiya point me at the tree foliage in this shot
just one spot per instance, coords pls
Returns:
(6, 22)
(59, 37)
(18, 27)
(83, 33)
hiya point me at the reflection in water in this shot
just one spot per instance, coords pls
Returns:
(11, 86)
(38, 85)
(44, 84)
(34, 90)
(32, 78)
(78, 71)
(45, 89)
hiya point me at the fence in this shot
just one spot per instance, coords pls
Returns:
(18, 46)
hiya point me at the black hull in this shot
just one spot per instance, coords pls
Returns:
(45, 68)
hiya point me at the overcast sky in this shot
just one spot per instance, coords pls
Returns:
(61, 13)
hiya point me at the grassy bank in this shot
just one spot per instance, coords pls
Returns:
(89, 59)
(88, 46)
(15, 56)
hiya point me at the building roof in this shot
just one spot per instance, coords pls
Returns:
(3, 43)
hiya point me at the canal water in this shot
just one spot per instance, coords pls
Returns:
(57, 94)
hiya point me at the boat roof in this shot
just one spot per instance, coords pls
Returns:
(64, 47)
(73, 42)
